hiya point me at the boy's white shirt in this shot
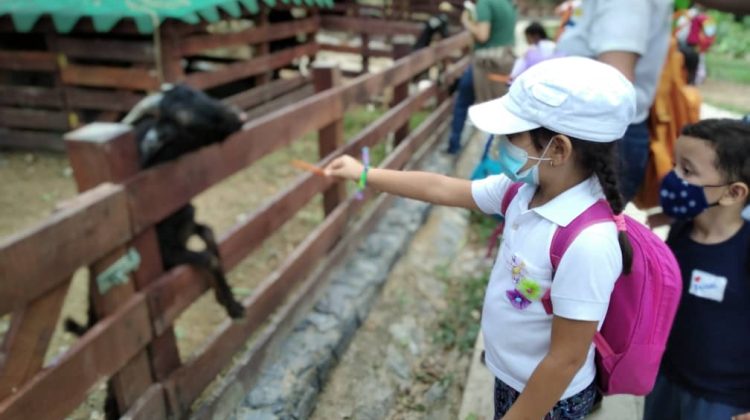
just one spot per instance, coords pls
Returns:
(517, 340)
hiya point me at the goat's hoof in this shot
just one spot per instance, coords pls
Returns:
(235, 310)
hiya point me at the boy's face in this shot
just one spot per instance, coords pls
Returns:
(695, 162)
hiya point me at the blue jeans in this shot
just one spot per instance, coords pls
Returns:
(464, 99)
(633, 152)
(670, 401)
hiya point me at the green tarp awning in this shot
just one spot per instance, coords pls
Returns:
(147, 14)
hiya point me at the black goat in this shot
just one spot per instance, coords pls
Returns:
(167, 125)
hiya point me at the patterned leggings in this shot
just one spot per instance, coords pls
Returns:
(574, 408)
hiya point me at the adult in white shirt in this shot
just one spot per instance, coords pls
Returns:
(633, 36)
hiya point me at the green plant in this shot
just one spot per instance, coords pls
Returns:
(459, 324)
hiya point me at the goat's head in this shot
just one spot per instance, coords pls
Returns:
(179, 120)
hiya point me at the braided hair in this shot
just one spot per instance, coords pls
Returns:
(597, 159)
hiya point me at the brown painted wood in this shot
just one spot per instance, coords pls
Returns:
(101, 99)
(372, 52)
(111, 77)
(29, 96)
(26, 342)
(251, 67)
(330, 137)
(104, 350)
(129, 51)
(31, 140)
(33, 118)
(260, 34)
(88, 227)
(150, 406)
(369, 26)
(282, 101)
(266, 92)
(264, 48)
(170, 70)
(28, 61)
(102, 153)
(400, 91)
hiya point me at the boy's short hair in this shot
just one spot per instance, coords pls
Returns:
(731, 141)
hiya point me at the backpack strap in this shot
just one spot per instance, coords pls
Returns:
(565, 235)
(504, 204)
(509, 196)
(487, 146)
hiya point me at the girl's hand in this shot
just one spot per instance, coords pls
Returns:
(745, 416)
(345, 167)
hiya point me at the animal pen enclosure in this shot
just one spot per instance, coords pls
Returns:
(133, 343)
(66, 63)
(69, 62)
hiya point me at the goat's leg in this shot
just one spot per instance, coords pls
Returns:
(210, 263)
(74, 327)
(223, 291)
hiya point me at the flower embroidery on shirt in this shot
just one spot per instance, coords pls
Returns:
(529, 288)
(517, 299)
(526, 289)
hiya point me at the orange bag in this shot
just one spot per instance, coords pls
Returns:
(676, 104)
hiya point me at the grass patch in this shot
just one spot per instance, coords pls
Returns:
(459, 325)
(729, 69)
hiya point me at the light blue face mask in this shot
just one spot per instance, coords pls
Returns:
(513, 158)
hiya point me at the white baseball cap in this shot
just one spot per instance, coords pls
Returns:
(575, 96)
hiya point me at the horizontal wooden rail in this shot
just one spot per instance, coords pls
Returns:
(107, 49)
(188, 382)
(198, 43)
(29, 96)
(28, 61)
(104, 350)
(369, 25)
(352, 49)
(114, 77)
(156, 193)
(265, 92)
(87, 228)
(252, 67)
(33, 118)
(100, 99)
(31, 140)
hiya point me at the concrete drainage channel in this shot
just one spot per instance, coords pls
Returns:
(288, 388)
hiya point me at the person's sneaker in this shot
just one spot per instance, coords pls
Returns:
(452, 151)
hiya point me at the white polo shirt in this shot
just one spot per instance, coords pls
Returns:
(639, 26)
(515, 326)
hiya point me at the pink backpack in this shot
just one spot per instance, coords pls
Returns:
(642, 306)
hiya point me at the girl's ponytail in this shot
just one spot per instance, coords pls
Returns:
(603, 168)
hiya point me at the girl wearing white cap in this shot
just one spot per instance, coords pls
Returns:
(557, 127)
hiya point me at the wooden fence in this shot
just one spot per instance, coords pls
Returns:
(51, 83)
(133, 343)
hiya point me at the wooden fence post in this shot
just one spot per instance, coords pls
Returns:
(401, 91)
(330, 137)
(105, 152)
(170, 55)
(264, 48)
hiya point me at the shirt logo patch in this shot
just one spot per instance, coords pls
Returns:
(707, 286)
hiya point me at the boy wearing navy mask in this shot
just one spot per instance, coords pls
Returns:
(705, 372)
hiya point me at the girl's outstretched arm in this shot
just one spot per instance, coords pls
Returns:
(423, 186)
(568, 350)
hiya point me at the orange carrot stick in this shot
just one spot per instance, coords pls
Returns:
(305, 166)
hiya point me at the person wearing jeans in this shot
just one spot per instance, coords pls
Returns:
(493, 29)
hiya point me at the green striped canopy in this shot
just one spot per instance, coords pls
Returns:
(147, 14)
